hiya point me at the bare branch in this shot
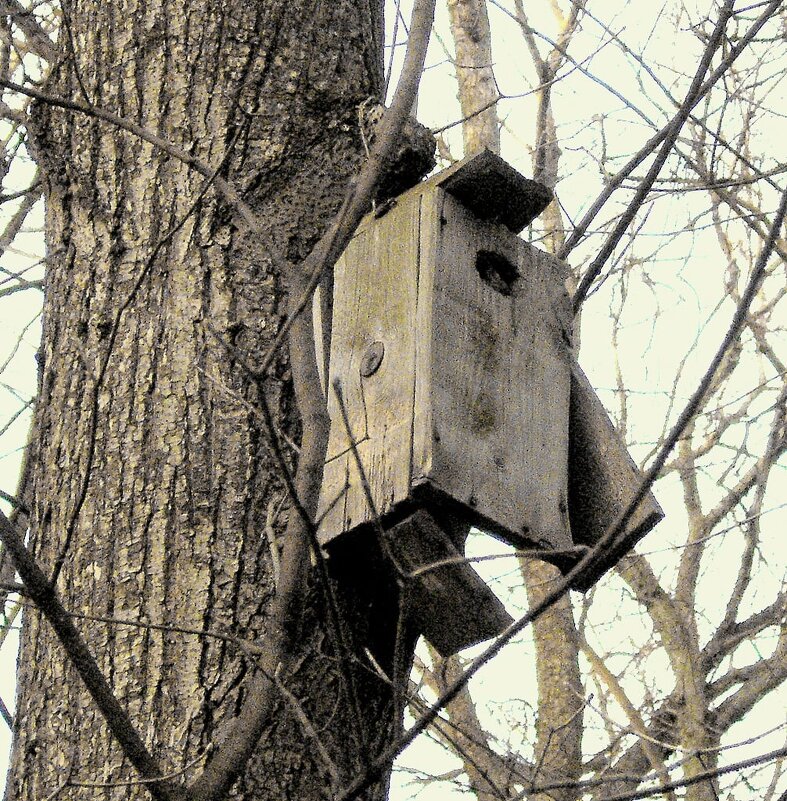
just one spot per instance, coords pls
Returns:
(653, 753)
(615, 182)
(693, 96)
(702, 777)
(38, 41)
(226, 189)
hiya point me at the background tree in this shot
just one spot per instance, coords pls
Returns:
(666, 165)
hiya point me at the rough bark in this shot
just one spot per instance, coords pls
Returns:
(153, 483)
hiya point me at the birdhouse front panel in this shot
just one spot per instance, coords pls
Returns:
(493, 380)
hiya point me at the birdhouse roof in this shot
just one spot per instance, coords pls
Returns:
(493, 190)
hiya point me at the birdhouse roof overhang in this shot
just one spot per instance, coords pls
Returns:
(494, 191)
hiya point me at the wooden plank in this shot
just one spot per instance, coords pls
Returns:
(375, 293)
(494, 191)
(498, 383)
(451, 604)
(602, 480)
(430, 212)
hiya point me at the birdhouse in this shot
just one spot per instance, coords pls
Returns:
(455, 400)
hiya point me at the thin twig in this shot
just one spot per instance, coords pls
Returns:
(309, 730)
(37, 39)
(335, 630)
(133, 782)
(6, 715)
(692, 98)
(615, 181)
(701, 777)
(249, 648)
(15, 502)
(532, 553)
(637, 779)
(22, 287)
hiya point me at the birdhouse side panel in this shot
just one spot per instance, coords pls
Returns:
(603, 479)
(496, 388)
(373, 358)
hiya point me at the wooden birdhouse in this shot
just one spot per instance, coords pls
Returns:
(451, 355)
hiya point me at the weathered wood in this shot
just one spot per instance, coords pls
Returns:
(451, 602)
(492, 398)
(494, 191)
(375, 296)
(451, 411)
(452, 347)
(602, 480)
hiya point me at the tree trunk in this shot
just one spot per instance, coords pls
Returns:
(155, 495)
(560, 692)
(478, 91)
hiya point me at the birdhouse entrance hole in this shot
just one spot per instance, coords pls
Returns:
(497, 271)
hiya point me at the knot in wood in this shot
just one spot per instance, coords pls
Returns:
(413, 158)
(372, 359)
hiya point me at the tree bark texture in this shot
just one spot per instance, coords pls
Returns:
(560, 692)
(153, 483)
